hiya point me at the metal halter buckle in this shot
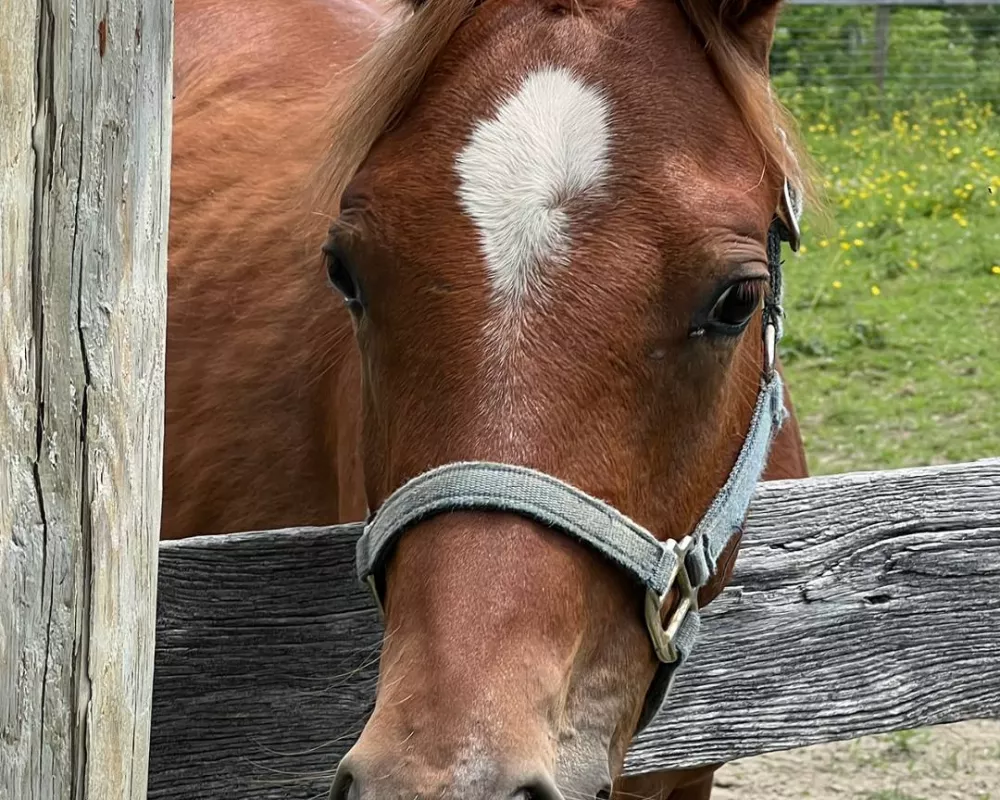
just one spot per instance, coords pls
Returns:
(663, 637)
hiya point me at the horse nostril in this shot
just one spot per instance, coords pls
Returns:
(543, 788)
(343, 782)
(603, 794)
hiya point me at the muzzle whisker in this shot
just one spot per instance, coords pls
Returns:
(292, 775)
(309, 751)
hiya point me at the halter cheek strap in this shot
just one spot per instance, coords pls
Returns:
(658, 566)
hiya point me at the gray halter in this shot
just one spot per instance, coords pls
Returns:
(657, 565)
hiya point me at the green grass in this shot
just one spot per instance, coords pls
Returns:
(892, 344)
(907, 742)
(892, 347)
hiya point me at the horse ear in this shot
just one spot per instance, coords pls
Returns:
(416, 5)
(749, 24)
(743, 10)
(757, 22)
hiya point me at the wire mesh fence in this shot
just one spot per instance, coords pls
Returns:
(886, 57)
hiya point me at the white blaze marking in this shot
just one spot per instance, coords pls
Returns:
(547, 145)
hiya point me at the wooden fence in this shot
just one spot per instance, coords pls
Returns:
(861, 603)
(85, 108)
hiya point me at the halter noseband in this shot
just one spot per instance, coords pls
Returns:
(657, 565)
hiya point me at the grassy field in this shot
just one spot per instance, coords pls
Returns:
(892, 352)
(892, 348)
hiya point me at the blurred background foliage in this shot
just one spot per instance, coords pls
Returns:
(892, 348)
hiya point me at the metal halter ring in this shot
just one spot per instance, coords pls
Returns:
(663, 637)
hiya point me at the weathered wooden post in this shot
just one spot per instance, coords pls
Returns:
(85, 110)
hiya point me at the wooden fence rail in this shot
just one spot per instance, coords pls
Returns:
(861, 603)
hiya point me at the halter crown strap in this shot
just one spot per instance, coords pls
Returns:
(656, 565)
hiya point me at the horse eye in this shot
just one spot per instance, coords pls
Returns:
(341, 275)
(735, 307)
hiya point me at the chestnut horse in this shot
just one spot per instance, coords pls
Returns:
(545, 225)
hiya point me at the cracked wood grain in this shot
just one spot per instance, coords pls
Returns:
(860, 603)
(84, 160)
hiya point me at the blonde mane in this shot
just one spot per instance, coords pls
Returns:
(387, 78)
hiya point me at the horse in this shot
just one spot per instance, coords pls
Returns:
(520, 232)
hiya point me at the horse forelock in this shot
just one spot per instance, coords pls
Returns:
(386, 79)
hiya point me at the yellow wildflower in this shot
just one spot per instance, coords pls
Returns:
(838, 284)
(876, 291)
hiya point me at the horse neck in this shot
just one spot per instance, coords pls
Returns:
(262, 400)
